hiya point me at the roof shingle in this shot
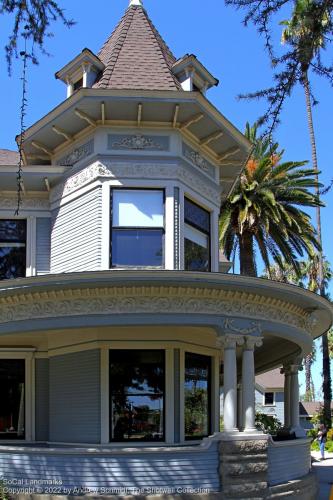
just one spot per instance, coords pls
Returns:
(8, 157)
(136, 57)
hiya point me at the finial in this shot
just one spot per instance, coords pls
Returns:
(135, 3)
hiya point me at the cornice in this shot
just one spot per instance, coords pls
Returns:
(10, 203)
(60, 301)
(115, 170)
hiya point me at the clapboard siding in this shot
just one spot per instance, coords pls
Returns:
(42, 399)
(75, 397)
(43, 245)
(288, 461)
(76, 234)
(129, 470)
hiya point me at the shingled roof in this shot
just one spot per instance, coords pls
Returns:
(136, 57)
(8, 157)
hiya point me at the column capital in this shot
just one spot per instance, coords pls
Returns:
(230, 341)
(250, 342)
(292, 368)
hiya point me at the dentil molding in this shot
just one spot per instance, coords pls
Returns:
(10, 203)
(61, 302)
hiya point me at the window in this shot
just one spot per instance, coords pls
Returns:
(197, 396)
(197, 236)
(137, 228)
(12, 397)
(137, 382)
(12, 248)
(78, 85)
(269, 398)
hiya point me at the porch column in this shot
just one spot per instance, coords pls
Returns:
(294, 401)
(286, 372)
(230, 384)
(248, 383)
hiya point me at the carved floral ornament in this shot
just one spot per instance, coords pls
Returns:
(115, 170)
(137, 142)
(147, 299)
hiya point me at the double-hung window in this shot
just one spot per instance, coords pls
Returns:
(197, 237)
(13, 234)
(137, 232)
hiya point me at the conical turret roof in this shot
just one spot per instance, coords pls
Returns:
(136, 57)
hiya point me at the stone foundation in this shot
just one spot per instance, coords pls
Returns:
(243, 468)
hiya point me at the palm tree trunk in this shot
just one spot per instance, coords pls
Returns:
(246, 254)
(308, 388)
(327, 383)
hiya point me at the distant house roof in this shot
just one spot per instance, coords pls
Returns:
(271, 380)
(136, 57)
(310, 408)
(8, 157)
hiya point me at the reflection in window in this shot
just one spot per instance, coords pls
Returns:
(197, 395)
(137, 381)
(12, 248)
(137, 228)
(197, 234)
(12, 411)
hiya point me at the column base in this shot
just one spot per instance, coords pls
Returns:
(228, 432)
(251, 430)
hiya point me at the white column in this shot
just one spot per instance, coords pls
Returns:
(239, 407)
(230, 384)
(286, 372)
(294, 401)
(248, 384)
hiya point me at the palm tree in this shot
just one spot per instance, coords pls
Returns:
(264, 211)
(307, 32)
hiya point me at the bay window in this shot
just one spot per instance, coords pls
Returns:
(197, 237)
(13, 235)
(137, 228)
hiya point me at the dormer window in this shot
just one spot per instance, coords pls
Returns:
(78, 85)
(192, 74)
(137, 232)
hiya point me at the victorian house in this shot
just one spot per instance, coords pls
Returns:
(118, 320)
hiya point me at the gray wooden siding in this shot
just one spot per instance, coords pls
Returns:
(276, 410)
(75, 397)
(76, 234)
(42, 399)
(129, 471)
(43, 245)
(288, 461)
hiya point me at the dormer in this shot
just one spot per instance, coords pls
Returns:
(81, 72)
(192, 74)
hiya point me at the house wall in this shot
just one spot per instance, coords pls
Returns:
(43, 245)
(42, 399)
(276, 410)
(75, 397)
(77, 234)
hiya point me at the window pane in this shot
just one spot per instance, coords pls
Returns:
(197, 398)
(12, 262)
(196, 256)
(12, 231)
(269, 398)
(137, 247)
(12, 395)
(137, 380)
(134, 208)
(197, 216)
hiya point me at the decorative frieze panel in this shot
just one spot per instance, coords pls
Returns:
(138, 142)
(117, 170)
(10, 203)
(147, 299)
(198, 160)
(77, 154)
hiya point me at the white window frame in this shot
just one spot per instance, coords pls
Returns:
(264, 398)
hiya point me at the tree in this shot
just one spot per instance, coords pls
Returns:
(263, 212)
(32, 20)
(306, 32)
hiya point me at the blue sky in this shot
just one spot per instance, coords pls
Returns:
(215, 33)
